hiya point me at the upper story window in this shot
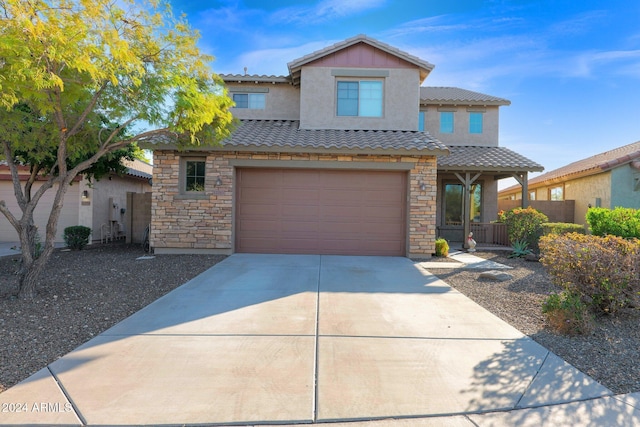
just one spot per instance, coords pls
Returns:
(475, 122)
(253, 101)
(446, 122)
(360, 98)
(421, 121)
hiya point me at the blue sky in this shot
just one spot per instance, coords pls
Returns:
(571, 69)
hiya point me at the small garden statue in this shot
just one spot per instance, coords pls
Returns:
(471, 243)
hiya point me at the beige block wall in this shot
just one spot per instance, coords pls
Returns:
(318, 101)
(190, 225)
(461, 136)
(282, 102)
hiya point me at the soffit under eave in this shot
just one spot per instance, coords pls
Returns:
(485, 170)
(304, 150)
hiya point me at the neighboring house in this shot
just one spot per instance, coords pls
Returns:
(100, 205)
(610, 179)
(335, 158)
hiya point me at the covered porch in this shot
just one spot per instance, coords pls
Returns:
(468, 192)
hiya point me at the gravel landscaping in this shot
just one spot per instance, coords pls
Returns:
(84, 293)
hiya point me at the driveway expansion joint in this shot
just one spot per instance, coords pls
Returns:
(76, 411)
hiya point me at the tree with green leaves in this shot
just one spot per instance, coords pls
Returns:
(76, 78)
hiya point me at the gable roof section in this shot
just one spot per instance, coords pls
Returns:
(457, 96)
(296, 65)
(486, 159)
(590, 166)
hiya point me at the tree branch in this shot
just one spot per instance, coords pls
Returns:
(15, 176)
(88, 109)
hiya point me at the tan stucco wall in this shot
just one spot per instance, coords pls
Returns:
(461, 136)
(282, 102)
(318, 101)
(68, 215)
(585, 191)
(190, 225)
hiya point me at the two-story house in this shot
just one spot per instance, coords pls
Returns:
(347, 154)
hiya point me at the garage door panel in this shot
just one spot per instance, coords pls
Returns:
(321, 211)
(258, 210)
(331, 212)
(265, 178)
(260, 195)
(299, 179)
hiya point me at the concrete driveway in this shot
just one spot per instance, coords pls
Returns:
(277, 339)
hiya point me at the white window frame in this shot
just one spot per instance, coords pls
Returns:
(361, 91)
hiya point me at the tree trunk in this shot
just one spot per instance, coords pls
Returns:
(29, 280)
(36, 253)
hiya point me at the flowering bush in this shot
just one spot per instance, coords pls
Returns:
(524, 224)
(603, 271)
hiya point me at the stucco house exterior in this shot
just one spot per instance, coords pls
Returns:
(100, 205)
(347, 154)
(610, 179)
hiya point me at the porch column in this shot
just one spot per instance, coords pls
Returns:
(467, 181)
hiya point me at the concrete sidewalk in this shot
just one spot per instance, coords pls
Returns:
(277, 339)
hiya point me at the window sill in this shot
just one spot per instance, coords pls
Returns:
(191, 196)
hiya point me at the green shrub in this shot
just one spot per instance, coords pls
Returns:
(603, 271)
(567, 314)
(442, 247)
(524, 224)
(561, 228)
(77, 237)
(520, 249)
(622, 222)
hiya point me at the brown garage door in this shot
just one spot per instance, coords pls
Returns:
(321, 212)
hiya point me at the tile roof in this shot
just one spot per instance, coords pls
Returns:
(455, 95)
(138, 168)
(254, 78)
(590, 166)
(488, 159)
(286, 135)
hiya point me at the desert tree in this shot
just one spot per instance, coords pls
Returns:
(81, 80)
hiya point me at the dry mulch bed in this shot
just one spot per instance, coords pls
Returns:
(81, 294)
(84, 293)
(610, 354)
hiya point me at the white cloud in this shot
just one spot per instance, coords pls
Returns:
(325, 10)
(274, 61)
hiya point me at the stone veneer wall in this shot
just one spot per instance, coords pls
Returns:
(188, 224)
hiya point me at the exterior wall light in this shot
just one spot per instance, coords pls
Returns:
(423, 187)
(218, 182)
